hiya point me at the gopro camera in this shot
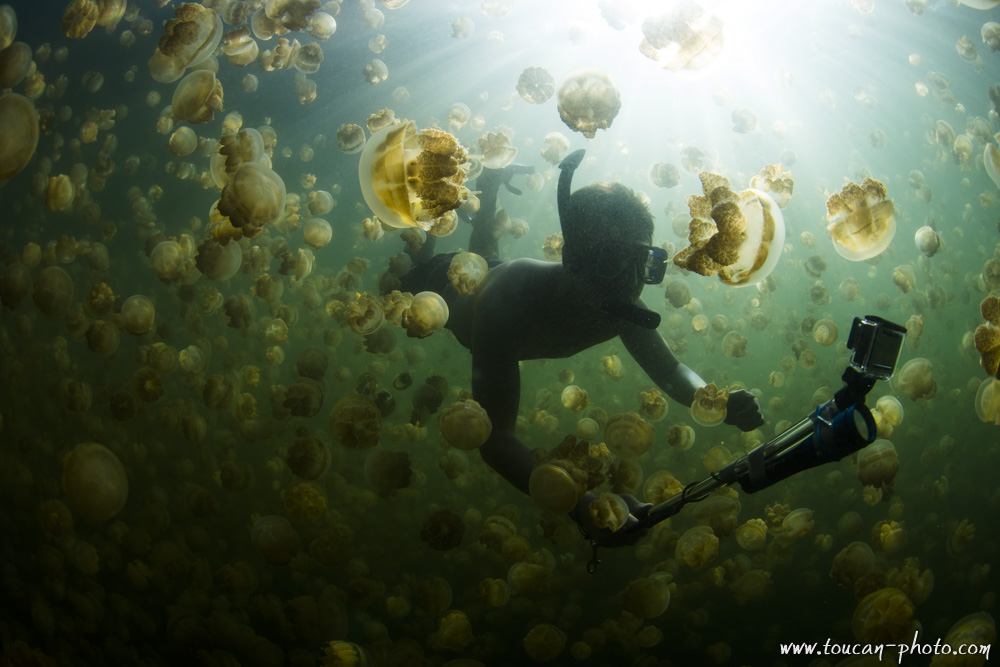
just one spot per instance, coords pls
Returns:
(876, 343)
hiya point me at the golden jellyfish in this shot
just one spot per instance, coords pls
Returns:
(608, 512)
(182, 142)
(709, 405)
(554, 489)
(574, 398)
(467, 272)
(19, 121)
(776, 182)
(94, 482)
(852, 563)
(991, 158)
(697, 547)
(344, 654)
(239, 47)
(375, 72)
(885, 616)
(987, 401)
(891, 410)
(365, 315)
(688, 37)
(556, 145)
(427, 313)
(681, 437)
(824, 332)
(15, 64)
(218, 261)
(927, 240)
(736, 236)
(878, 464)
(15, 283)
(797, 523)
(734, 345)
(751, 586)
(254, 198)
(414, 179)
(544, 642)
(990, 33)
(861, 220)
(535, 85)
(103, 337)
(187, 40)
(660, 486)
(245, 146)
(916, 379)
(752, 535)
(8, 26)
(53, 291)
(588, 101)
(652, 405)
(274, 538)
(974, 630)
(904, 278)
(465, 425)
(356, 422)
(497, 150)
(664, 175)
(628, 435)
(197, 97)
(60, 193)
(321, 202)
(459, 115)
(351, 138)
(647, 597)
(317, 233)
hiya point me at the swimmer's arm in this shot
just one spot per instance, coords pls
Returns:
(653, 354)
(496, 385)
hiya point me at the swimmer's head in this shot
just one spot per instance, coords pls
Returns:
(607, 235)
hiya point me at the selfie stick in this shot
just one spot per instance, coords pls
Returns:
(839, 427)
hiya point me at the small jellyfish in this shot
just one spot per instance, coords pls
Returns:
(427, 313)
(752, 535)
(736, 236)
(885, 616)
(681, 437)
(861, 220)
(775, 181)
(351, 138)
(697, 547)
(709, 405)
(497, 150)
(356, 422)
(467, 272)
(588, 101)
(608, 512)
(878, 464)
(555, 149)
(554, 489)
(94, 482)
(275, 539)
(987, 401)
(687, 37)
(19, 121)
(544, 642)
(465, 425)
(647, 597)
(927, 240)
(628, 435)
(852, 563)
(824, 332)
(535, 85)
(664, 175)
(916, 379)
(197, 97)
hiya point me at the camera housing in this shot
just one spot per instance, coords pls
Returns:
(876, 343)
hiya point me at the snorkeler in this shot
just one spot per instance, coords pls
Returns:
(533, 309)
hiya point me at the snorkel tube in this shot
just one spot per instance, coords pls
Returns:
(629, 312)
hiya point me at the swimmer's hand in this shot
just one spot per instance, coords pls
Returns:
(743, 411)
(627, 535)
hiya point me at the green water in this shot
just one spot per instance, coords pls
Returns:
(836, 93)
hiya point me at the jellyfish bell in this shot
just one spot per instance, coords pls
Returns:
(588, 101)
(94, 482)
(861, 219)
(467, 272)
(553, 489)
(187, 41)
(197, 97)
(427, 313)
(991, 159)
(736, 236)
(927, 240)
(536, 85)
(688, 37)
(465, 425)
(413, 178)
(19, 125)
(987, 402)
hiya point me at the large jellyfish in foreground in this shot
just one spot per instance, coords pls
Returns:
(737, 236)
(414, 179)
